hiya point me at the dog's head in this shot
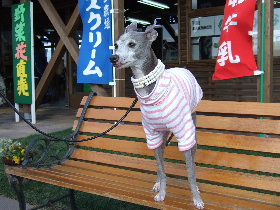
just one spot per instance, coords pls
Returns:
(133, 46)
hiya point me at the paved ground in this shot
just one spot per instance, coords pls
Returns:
(49, 119)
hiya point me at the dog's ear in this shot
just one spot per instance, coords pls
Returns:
(131, 27)
(151, 33)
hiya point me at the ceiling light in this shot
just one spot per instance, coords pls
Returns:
(154, 4)
(143, 22)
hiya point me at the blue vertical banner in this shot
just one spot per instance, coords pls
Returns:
(94, 66)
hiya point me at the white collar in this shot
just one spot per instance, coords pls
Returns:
(149, 78)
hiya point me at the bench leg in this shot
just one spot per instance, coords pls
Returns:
(72, 200)
(16, 183)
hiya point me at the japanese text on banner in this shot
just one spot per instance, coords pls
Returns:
(235, 54)
(94, 65)
(22, 52)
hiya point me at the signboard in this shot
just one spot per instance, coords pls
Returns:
(202, 26)
(23, 64)
(94, 65)
(206, 26)
(235, 54)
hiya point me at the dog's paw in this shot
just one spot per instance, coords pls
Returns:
(160, 197)
(156, 187)
(198, 203)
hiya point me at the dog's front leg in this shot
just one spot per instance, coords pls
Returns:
(160, 185)
(190, 160)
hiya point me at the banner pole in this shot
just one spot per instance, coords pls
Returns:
(262, 52)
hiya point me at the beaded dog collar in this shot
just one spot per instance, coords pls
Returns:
(149, 78)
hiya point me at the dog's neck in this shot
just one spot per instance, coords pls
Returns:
(144, 68)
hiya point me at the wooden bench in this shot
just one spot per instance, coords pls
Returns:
(236, 167)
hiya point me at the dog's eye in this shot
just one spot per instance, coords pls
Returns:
(116, 46)
(131, 44)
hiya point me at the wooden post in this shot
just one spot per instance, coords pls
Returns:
(268, 74)
(119, 30)
(188, 31)
(268, 80)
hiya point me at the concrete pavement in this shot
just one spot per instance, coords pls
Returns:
(49, 119)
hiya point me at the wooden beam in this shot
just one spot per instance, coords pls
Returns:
(268, 74)
(65, 43)
(119, 30)
(188, 30)
(268, 80)
(49, 72)
(60, 27)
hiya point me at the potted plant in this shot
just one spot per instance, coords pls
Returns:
(12, 151)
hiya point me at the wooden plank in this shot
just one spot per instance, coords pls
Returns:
(121, 130)
(248, 125)
(89, 178)
(232, 160)
(251, 143)
(114, 102)
(215, 175)
(206, 106)
(218, 190)
(112, 115)
(110, 188)
(140, 183)
(118, 31)
(240, 108)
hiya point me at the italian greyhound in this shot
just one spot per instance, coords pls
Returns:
(168, 100)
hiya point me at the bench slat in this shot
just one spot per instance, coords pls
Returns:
(121, 130)
(240, 108)
(114, 102)
(135, 187)
(253, 143)
(112, 115)
(128, 181)
(209, 174)
(263, 126)
(100, 185)
(206, 106)
(249, 162)
(220, 190)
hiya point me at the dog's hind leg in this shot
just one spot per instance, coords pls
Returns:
(160, 185)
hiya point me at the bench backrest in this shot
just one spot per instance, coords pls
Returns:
(231, 151)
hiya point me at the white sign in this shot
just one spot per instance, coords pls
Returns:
(202, 26)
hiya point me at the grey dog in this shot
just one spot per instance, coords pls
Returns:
(133, 49)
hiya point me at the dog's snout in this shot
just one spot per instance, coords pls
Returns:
(114, 58)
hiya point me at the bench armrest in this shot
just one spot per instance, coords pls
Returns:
(45, 152)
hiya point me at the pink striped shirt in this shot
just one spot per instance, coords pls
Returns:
(169, 107)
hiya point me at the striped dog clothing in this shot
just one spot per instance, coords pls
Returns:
(169, 107)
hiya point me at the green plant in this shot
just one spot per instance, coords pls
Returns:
(12, 149)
